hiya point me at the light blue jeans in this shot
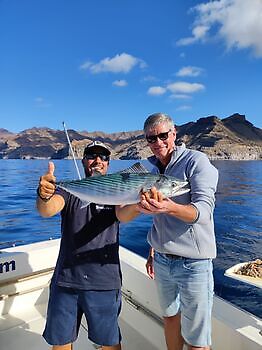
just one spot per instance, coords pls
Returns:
(186, 285)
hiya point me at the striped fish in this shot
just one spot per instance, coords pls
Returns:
(123, 187)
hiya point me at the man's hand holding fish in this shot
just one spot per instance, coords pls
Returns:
(153, 202)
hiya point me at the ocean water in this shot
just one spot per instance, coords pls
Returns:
(238, 218)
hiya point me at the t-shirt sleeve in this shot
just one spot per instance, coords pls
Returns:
(62, 193)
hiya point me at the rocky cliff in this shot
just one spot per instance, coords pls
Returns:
(230, 138)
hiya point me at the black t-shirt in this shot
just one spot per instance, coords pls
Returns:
(89, 251)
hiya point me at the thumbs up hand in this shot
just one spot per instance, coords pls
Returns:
(51, 168)
(46, 187)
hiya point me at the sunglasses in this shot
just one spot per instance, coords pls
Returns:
(103, 157)
(162, 136)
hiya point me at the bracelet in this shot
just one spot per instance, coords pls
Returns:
(42, 198)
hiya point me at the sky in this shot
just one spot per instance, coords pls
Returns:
(107, 64)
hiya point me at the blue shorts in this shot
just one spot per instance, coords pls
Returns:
(186, 286)
(66, 307)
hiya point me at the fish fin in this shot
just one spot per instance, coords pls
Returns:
(135, 169)
(84, 204)
(182, 191)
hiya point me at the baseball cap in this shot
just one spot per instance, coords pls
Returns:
(96, 144)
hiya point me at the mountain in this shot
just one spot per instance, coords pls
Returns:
(5, 134)
(229, 138)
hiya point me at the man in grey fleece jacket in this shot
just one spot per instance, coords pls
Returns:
(182, 237)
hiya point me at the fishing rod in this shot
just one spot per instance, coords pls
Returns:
(71, 149)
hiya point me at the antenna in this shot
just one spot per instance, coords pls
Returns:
(72, 152)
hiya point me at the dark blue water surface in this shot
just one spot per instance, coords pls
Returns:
(238, 218)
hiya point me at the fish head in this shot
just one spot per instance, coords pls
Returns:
(171, 186)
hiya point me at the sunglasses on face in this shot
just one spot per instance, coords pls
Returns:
(103, 157)
(162, 136)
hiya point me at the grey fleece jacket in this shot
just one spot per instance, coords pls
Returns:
(192, 240)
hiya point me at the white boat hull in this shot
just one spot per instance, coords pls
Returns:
(25, 273)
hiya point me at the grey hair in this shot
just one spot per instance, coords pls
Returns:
(158, 118)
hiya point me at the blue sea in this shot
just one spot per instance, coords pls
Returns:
(238, 218)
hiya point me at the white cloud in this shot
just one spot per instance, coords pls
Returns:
(178, 90)
(182, 87)
(199, 33)
(122, 63)
(237, 22)
(189, 71)
(156, 90)
(120, 83)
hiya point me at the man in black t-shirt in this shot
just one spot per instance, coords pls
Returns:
(87, 277)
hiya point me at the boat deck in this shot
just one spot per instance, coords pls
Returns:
(25, 332)
(24, 296)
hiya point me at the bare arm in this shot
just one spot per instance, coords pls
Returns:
(50, 208)
(48, 204)
(127, 212)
